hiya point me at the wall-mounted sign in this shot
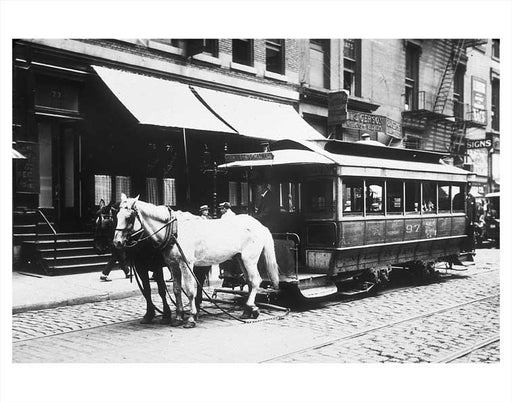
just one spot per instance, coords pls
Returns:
(27, 170)
(56, 95)
(476, 144)
(372, 123)
(478, 100)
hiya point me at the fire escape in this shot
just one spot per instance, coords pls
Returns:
(443, 117)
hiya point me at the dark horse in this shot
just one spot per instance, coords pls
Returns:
(141, 255)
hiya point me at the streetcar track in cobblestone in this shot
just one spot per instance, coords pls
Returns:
(357, 334)
(466, 351)
(219, 315)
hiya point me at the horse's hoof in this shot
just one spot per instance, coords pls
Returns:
(176, 323)
(250, 312)
(166, 321)
(189, 324)
(146, 320)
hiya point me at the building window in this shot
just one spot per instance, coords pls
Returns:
(152, 190)
(458, 92)
(211, 47)
(274, 53)
(495, 104)
(169, 186)
(496, 48)
(412, 61)
(352, 66)
(123, 185)
(243, 51)
(319, 72)
(102, 188)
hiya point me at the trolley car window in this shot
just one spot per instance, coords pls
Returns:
(412, 197)
(429, 198)
(318, 196)
(458, 198)
(444, 198)
(394, 199)
(352, 197)
(374, 193)
(288, 197)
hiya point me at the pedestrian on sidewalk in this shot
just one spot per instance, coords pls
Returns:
(106, 224)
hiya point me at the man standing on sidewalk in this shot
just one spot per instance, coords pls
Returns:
(105, 226)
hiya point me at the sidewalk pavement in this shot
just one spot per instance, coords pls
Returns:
(34, 292)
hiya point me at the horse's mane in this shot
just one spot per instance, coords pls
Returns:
(158, 212)
(161, 212)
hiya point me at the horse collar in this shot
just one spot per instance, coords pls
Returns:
(171, 232)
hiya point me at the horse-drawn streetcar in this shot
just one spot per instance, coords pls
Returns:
(317, 216)
(345, 212)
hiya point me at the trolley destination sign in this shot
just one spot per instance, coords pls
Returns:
(255, 156)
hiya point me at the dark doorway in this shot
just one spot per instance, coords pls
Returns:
(59, 171)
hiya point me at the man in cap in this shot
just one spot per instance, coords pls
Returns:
(225, 210)
(204, 212)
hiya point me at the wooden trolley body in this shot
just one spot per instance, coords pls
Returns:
(345, 209)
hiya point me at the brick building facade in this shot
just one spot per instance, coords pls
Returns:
(85, 142)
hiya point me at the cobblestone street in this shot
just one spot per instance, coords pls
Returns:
(408, 324)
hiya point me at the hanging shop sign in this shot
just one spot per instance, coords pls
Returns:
(478, 100)
(372, 123)
(337, 109)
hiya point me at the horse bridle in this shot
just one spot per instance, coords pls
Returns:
(171, 233)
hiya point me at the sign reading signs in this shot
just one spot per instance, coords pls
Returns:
(478, 100)
(257, 156)
(373, 123)
(476, 144)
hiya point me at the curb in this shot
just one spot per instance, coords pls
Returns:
(76, 301)
(89, 299)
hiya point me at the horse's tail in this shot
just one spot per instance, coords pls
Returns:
(269, 253)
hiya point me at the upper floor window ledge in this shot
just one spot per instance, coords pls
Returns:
(166, 48)
(275, 76)
(207, 58)
(242, 67)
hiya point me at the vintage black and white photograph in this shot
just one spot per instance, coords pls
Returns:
(250, 209)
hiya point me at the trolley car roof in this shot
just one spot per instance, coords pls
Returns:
(354, 165)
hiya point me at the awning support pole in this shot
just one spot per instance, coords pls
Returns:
(187, 175)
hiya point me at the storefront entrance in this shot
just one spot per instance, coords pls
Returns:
(59, 163)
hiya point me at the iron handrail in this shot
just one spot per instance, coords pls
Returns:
(54, 235)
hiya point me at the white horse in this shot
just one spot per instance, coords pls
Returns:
(202, 242)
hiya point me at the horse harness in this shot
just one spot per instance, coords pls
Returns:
(171, 231)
